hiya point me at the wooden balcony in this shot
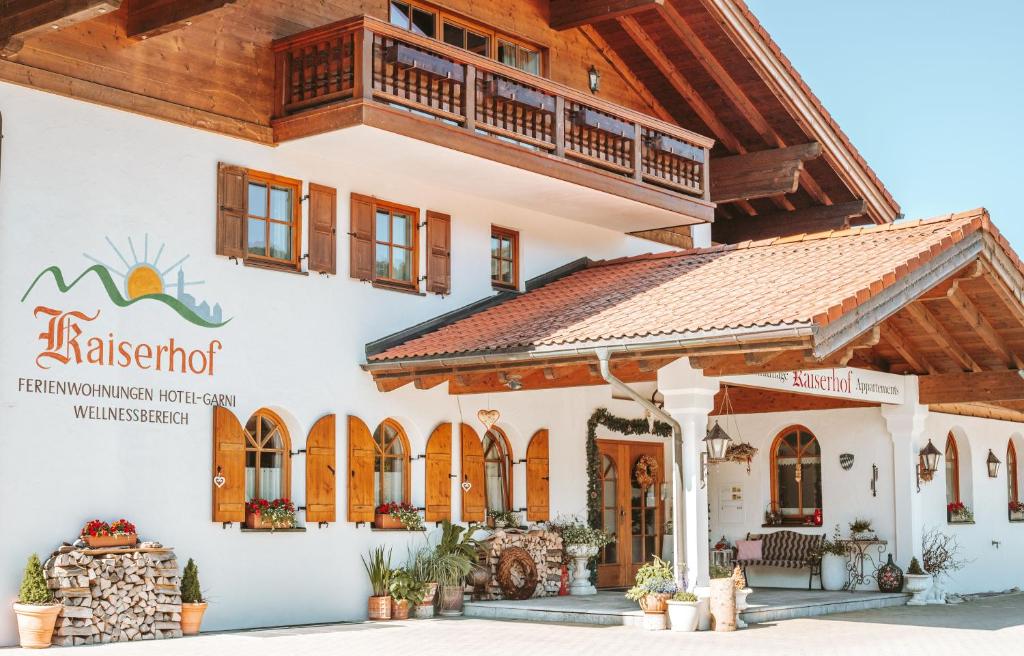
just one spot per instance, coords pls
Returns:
(365, 71)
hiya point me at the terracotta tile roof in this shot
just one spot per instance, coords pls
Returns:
(802, 280)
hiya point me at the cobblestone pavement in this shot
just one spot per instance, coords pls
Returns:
(981, 627)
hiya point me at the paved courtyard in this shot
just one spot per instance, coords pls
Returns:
(984, 626)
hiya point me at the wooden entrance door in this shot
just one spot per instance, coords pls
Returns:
(633, 514)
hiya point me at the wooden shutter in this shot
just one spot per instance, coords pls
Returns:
(323, 228)
(538, 506)
(321, 463)
(439, 253)
(361, 451)
(474, 500)
(361, 238)
(228, 464)
(232, 206)
(439, 468)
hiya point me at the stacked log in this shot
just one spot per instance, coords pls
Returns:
(115, 594)
(544, 547)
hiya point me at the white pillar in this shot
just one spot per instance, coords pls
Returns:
(906, 429)
(689, 398)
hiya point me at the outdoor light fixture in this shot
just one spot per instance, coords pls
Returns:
(717, 442)
(594, 77)
(993, 464)
(928, 463)
(513, 383)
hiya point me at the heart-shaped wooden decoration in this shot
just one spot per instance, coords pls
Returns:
(488, 417)
(467, 486)
(219, 480)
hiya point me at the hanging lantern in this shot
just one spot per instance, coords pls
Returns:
(993, 464)
(717, 443)
(594, 79)
(929, 457)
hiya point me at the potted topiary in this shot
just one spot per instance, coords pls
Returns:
(35, 608)
(918, 582)
(833, 554)
(192, 603)
(378, 570)
(683, 613)
(406, 592)
(654, 586)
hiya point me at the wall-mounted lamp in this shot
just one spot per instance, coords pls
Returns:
(594, 78)
(512, 382)
(928, 463)
(993, 464)
(716, 444)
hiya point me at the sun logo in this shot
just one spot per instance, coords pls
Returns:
(142, 277)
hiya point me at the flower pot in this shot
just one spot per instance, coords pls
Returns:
(254, 520)
(192, 617)
(655, 621)
(918, 585)
(450, 600)
(581, 554)
(833, 572)
(1017, 516)
(683, 615)
(655, 603)
(400, 609)
(101, 541)
(35, 624)
(379, 608)
(865, 536)
(424, 611)
(430, 594)
(387, 521)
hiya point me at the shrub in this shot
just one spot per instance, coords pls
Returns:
(33, 584)
(860, 525)
(915, 567)
(191, 593)
(683, 595)
(653, 578)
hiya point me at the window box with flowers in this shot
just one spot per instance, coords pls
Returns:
(270, 515)
(958, 513)
(1017, 511)
(394, 516)
(101, 534)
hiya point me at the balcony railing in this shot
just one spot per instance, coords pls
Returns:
(367, 59)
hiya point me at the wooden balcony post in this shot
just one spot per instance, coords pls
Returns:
(638, 152)
(559, 126)
(705, 180)
(282, 77)
(469, 98)
(363, 79)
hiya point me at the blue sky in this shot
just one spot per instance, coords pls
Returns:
(930, 92)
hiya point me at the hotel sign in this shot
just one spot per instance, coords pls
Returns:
(844, 383)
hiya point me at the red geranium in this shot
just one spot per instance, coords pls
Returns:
(256, 506)
(1017, 506)
(392, 507)
(956, 508)
(122, 527)
(95, 529)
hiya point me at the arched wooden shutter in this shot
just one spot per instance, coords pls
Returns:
(439, 253)
(232, 206)
(474, 500)
(323, 220)
(361, 238)
(538, 505)
(321, 457)
(361, 451)
(228, 467)
(439, 468)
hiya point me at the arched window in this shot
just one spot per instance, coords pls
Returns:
(609, 507)
(390, 464)
(796, 474)
(267, 457)
(1012, 486)
(952, 471)
(497, 470)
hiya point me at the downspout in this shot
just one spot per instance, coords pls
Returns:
(677, 458)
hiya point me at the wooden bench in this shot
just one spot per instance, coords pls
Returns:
(788, 549)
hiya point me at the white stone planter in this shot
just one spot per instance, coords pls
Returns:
(918, 585)
(833, 572)
(655, 621)
(741, 605)
(581, 553)
(683, 615)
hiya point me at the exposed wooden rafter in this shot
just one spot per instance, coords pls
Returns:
(762, 174)
(148, 18)
(894, 338)
(972, 387)
(781, 224)
(574, 13)
(981, 325)
(934, 329)
(20, 19)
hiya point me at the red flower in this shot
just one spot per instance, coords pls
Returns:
(956, 507)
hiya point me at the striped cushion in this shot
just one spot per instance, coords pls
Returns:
(787, 549)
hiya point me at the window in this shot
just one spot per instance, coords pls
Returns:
(952, 471)
(519, 56)
(390, 464)
(504, 258)
(267, 457)
(273, 219)
(796, 474)
(609, 508)
(395, 243)
(1012, 485)
(466, 38)
(497, 470)
(415, 19)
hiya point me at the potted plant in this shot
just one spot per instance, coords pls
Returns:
(406, 592)
(860, 529)
(423, 567)
(581, 543)
(193, 605)
(958, 513)
(499, 519)
(98, 534)
(397, 516)
(455, 555)
(940, 558)
(654, 585)
(683, 613)
(378, 570)
(917, 582)
(1017, 511)
(833, 554)
(35, 608)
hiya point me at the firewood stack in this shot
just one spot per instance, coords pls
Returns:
(543, 546)
(115, 594)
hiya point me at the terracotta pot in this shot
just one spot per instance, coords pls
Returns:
(192, 617)
(379, 608)
(252, 520)
(99, 541)
(431, 593)
(387, 521)
(655, 603)
(35, 624)
(450, 600)
(400, 609)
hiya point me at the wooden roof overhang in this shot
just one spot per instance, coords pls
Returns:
(956, 321)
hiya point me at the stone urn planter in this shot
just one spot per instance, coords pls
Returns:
(581, 553)
(918, 585)
(833, 572)
(741, 605)
(192, 617)
(35, 624)
(683, 615)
